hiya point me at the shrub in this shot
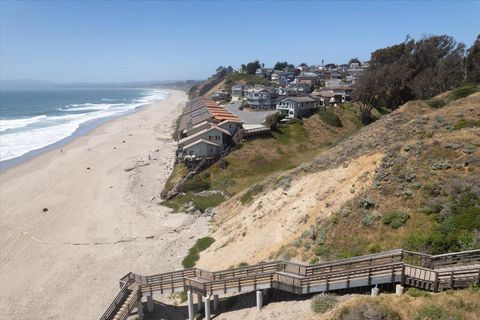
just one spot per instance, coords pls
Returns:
(464, 123)
(436, 103)
(253, 191)
(195, 184)
(373, 248)
(330, 118)
(323, 302)
(463, 92)
(431, 312)
(395, 219)
(321, 250)
(193, 253)
(368, 219)
(368, 310)
(416, 293)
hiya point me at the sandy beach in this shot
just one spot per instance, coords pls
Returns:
(76, 219)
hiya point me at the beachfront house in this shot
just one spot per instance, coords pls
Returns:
(261, 98)
(298, 107)
(207, 143)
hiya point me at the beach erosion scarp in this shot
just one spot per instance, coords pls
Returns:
(73, 221)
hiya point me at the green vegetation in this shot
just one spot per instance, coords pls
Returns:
(323, 302)
(198, 183)
(466, 123)
(454, 231)
(368, 310)
(463, 91)
(193, 253)
(417, 293)
(437, 103)
(455, 94)
(251, 193)
(440, 65)
(200, 202)
(432, 312)
(395, 219)
(330, 118)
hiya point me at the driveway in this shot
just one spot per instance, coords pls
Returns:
(249, 117)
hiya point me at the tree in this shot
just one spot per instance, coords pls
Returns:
(330, 66)
(473, 62)
(251, 67)
(354, 60)
(282, 65)
(272, 120)
(303, 64)
(411, 70)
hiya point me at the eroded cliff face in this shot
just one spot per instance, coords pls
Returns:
(414, 141)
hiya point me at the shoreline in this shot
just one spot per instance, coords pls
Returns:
(101, 220)
(82, 130)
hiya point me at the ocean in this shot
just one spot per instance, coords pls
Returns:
(31, 120)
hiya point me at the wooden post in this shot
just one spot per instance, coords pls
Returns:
(437, 283)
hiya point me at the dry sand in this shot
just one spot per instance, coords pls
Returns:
(65, 263)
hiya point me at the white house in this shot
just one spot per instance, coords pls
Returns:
(297, 107)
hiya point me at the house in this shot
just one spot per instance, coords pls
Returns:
(275, 77)
(264, 73)
(199, 110)
(200, 149)
(261, 98)
(326, 97)
(295, 89)
(219, 95)
(231, 126)
(237, 91)
(206, 143)
(309, 78)
(339, 94)
(297, 107)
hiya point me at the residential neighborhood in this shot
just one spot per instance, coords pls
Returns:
(215, 119)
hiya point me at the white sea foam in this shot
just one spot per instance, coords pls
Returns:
(19, 123)
(20, 136)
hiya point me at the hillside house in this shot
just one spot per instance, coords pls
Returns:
(298, 107)
(237, 91)
(265, 73)
(219, 95)
(261, 98)
(309, 78)
(296, 89)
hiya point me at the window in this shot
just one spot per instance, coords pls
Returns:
(210, 138)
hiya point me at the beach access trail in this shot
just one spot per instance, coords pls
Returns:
(73, 220)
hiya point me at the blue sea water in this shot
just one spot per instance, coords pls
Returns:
(34, 119)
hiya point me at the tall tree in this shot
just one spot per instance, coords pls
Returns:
(251, 67)
(473, 62)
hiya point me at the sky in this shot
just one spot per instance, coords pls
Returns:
(122, 41)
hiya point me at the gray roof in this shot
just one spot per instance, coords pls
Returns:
(300, 99)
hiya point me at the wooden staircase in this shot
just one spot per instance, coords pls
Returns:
(411, 269)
